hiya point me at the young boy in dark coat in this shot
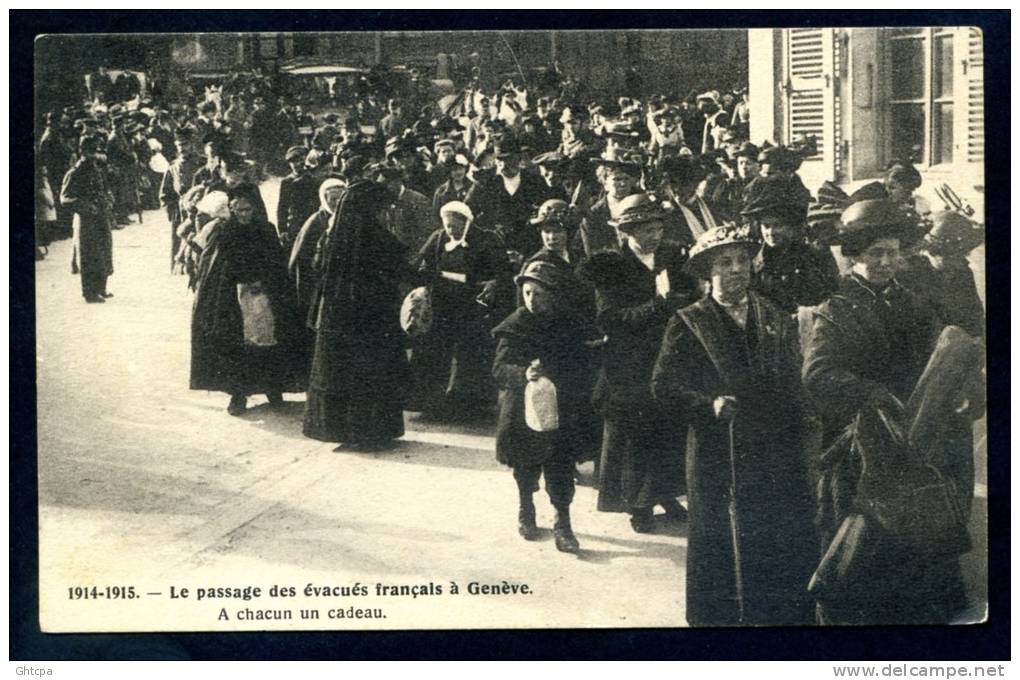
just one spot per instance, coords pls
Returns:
(542, 338)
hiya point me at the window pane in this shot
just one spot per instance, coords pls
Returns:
(907, 132)
(942, 133)
(908, 70)
(942, 64)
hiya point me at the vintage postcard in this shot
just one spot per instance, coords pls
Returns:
(510, 329)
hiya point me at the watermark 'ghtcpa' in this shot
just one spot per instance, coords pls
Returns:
(29, 670)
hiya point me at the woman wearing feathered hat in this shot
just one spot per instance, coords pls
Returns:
(728, 367)
(870, 345)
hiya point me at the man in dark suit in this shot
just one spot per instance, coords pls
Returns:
(504, 202)
(299, 196)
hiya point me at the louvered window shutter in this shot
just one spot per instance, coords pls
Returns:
(810, 98)
(975, 96)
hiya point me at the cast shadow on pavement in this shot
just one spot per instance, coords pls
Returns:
(638, 549)
(432, 455)
(283, 419)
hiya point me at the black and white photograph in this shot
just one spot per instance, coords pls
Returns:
(510, 329)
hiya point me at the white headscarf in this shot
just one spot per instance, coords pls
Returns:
(325, 187)
(215, 204)
(464, 210)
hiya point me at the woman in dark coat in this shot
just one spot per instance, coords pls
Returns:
(642, 461)
(870, 344)
(359, 369)
(729, 367)
(786, 270)
(302, 254)
(242, 253)
(544, 337)
(470, 278)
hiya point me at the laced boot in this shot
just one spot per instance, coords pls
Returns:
(564, 533)
(526, 526)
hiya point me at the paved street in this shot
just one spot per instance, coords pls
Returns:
(145, 483)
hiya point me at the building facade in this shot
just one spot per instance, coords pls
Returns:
(665, 60)
(871, 96)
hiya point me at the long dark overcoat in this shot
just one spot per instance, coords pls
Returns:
(221, 360)
(705, 354)
(93, 242)
(359, 371)
(642, 460)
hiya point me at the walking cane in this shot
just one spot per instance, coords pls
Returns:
(738, 566)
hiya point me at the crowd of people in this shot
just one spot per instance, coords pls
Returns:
(627, 281)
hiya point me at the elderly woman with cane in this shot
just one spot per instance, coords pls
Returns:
(729, 368)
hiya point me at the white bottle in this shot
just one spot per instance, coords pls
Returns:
(541, 407)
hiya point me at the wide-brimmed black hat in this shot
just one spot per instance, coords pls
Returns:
(625, 159)
(774, 197)
(550, 159)
(865, 222)
(447, 124)
(681, 169)
(903, 173)
(748, 150)
(235, 160)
